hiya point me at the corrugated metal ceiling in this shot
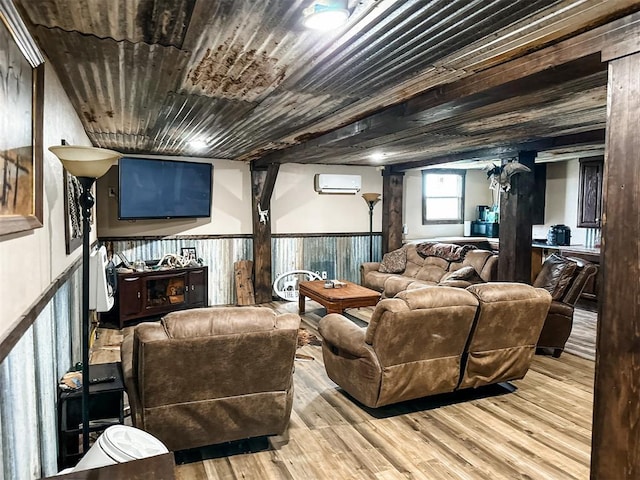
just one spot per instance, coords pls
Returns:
(148, 76)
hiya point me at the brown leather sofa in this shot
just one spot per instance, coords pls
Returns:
(565, 278)
(435, 340)
(211, 375)
(427, 264)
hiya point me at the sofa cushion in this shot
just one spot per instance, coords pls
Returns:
(375, 280)
(394, 262)
(432, 270)
(467, 273)
(395, 284)
(556, 275)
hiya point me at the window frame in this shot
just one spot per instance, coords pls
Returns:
(462, 174)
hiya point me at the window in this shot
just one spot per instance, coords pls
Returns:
(442, 196)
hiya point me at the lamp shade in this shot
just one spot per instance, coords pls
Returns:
(82, 161)
(371, 197)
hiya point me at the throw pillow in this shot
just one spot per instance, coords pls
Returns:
(394, 262)
(556, 275)
(467, 273)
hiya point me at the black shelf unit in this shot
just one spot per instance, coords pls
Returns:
(106, 408)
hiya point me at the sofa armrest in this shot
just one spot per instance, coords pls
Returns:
(337, 330)
(366, 268)
(560, 308)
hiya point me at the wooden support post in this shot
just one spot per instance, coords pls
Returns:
(392, 184)
(262, 183)
(615, 449)
(514, 261)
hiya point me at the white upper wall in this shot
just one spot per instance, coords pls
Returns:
(295, 206)
(561, 200)
(298, 208)
(31, 261)
(476, 193)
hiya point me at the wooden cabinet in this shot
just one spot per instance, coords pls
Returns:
(155, 293)
(590, 192)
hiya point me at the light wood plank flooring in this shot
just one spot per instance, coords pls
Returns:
(540, 431)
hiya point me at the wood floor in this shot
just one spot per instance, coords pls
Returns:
(540, 431)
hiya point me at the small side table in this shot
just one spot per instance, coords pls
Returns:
(106, 407)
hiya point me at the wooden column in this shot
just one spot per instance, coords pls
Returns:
(262, 183)
(615, 451)
(514, 261)
(392, 183)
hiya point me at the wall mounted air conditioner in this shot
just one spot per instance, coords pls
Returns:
(331, 183)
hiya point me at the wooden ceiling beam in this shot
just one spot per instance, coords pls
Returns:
(516, 77)
(593, 137)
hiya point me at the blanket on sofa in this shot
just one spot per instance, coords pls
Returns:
(446, 251)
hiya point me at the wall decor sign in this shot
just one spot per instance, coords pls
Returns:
(72, 212)
(21, 102)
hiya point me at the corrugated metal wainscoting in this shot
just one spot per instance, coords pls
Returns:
(29, 376)
(339, 255)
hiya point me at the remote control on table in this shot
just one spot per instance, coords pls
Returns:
(108, 379)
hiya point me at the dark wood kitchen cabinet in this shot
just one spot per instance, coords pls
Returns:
(155, 293)
(590, 192)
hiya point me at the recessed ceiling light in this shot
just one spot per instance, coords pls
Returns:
(198, 144)
(326, 14)
(377, 156)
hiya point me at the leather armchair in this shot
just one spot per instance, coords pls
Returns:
(211, 375)
(565, 278)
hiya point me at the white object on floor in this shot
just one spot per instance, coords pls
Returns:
(119, 444)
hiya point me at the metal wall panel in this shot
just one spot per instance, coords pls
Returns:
(29, 378)
(340, 256)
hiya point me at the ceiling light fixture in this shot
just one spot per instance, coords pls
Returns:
(326, 14)
(377, 156)
(198, 144)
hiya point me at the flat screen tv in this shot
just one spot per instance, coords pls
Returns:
(150, 188)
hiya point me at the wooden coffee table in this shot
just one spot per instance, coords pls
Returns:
(335, 300)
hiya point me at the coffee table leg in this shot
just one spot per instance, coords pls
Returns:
(300, 303)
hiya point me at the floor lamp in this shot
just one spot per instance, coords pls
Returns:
(87, 164)
(371, 199)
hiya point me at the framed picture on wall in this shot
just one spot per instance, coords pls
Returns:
(72, 212)
(189, 252)
(21, 110)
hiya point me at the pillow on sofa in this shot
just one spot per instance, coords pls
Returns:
(467, 274)
(556, 275)
(394, 262)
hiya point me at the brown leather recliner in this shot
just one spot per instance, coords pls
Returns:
(435, 340)
(565, 278)
(211, 375)
(503, 340)
(412, 347)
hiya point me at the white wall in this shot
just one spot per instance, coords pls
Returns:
(476, 193)
(561, 200)
(295, 206)
(298, 208)
(30, 261)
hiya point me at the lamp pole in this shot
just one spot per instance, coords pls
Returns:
(86, 202)
(371, 199)
(86, 164)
